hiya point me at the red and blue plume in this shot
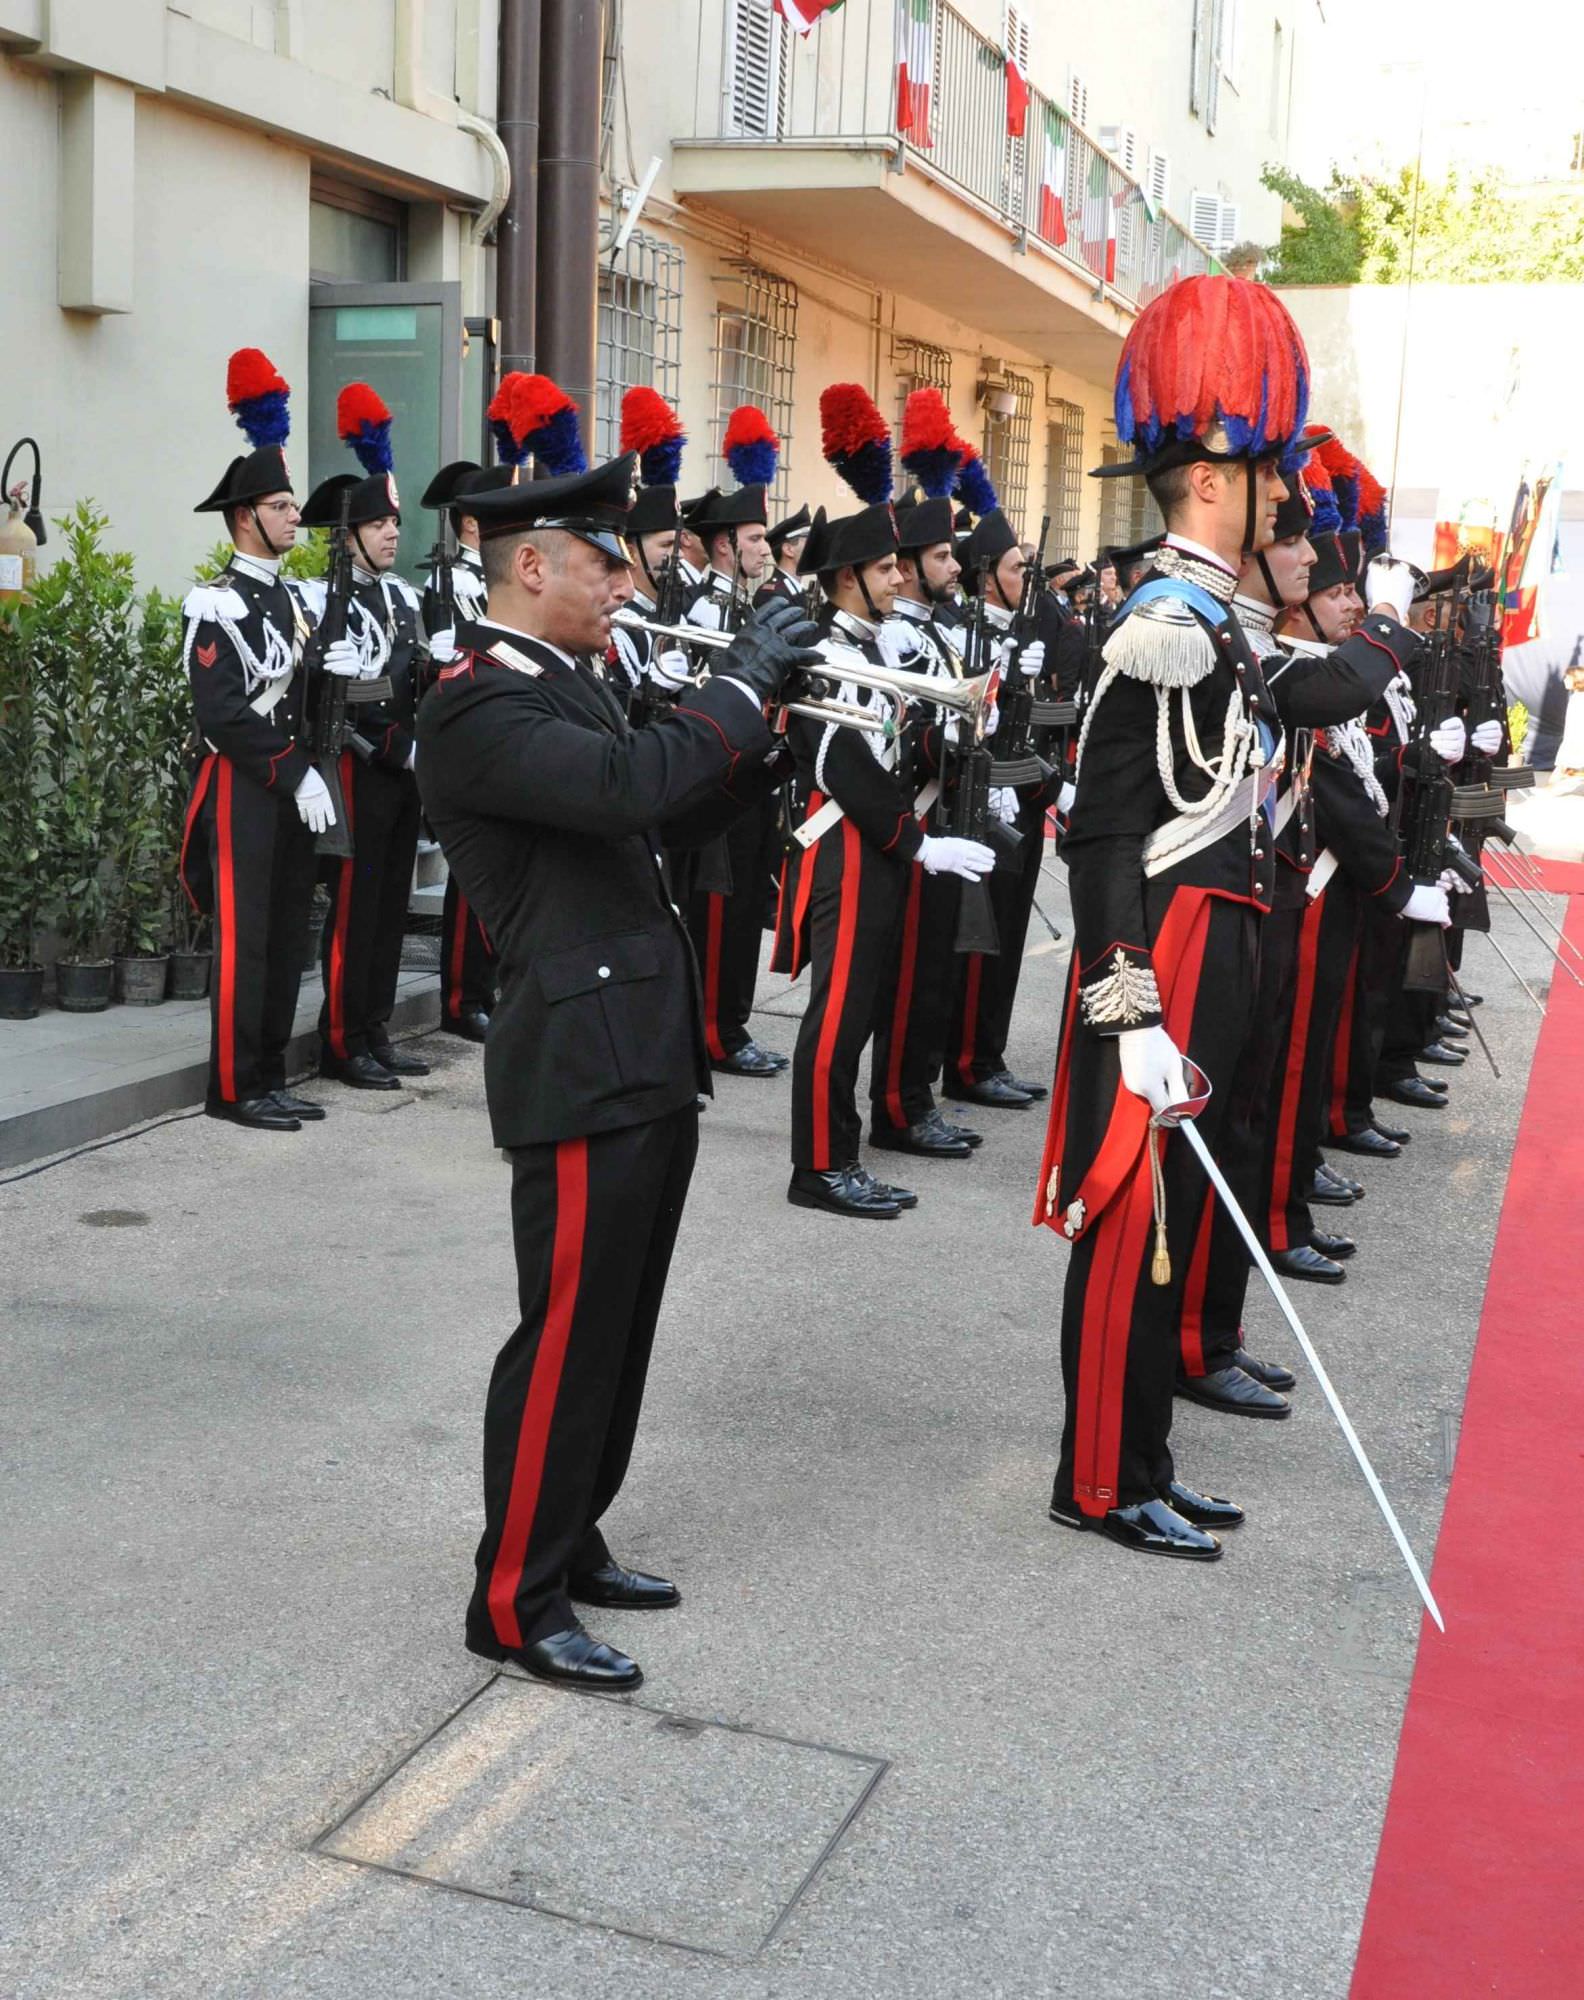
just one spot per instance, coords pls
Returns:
(1344, 470)
(856, 440)
(531, 417)
(650, 427)
(932, 452)
(1317, 482)
(1374, 524)
(364, 423)
(750, 447)
(1212, 352)
(258, 393)
(974, 488)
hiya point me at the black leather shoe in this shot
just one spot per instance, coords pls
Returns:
(391, 1058)
(1271, 1373)
(1449, 1028)
(259, 1114)
(1151, 1528)
(621, 1589)
(358, 1072)
(1338, 1248)
(1329, 1191)
(750, 1060)
(996, 1093)
(1396, 1133)
(957, 1129)
(472, 1024)
(903, 1197)
(298, 1107)
(1415, 1091)
(1443, 1056)
(1355, 1188)
(1034, 1090)
(573, 1658)
(1202, 1510)
(1234, 1392)
(1303, 1261)
(1371, 1144)
(1471, 999)
(931, 1138)
(843, 1191)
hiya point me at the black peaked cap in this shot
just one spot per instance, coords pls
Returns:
(591, 505)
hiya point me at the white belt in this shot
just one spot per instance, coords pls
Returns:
(1172, 843)
(1325, 867)
(829, 813)
(267, 702)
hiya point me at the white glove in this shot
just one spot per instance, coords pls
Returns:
(1152, 1066)
(313, 803)
(1427, 905)
(671, 669)
(1389, 586)
(1065, 797)
(1002, 651)
(344, 659)
(1487, 738)
(1449, 739)
(945, 854)
(442, 646)
(1004, 803)
(1032, 658)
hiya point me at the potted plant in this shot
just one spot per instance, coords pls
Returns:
(147, 801)
(21, 821)
(82, 616)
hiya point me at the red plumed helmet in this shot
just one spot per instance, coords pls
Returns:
(251, 373)
(359, 405)
(647, 419)
(849, 419)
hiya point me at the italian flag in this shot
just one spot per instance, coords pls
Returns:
(915, 33)
(1100, 192)
(1053, 179)
(802, 14)
(1017, 96)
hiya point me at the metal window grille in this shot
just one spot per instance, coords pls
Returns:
(1006, 445)
(639, 331)
(918, 365)
(755, 345)
(1127, 513)
(1064, 477)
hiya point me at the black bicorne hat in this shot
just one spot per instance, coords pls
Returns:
(592, 505)
(794, 524)
(743, 507)
(992, 537)
(1137, 552)
(372, 498)
(654, 511)
(1331, 565)
(923, 525)
(865, 537)
(249, 478)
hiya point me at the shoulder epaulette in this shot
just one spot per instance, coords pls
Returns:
(218, 599)
(310, 592)
(1161, 641)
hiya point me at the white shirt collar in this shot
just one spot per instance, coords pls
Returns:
(910, 608)
(516, 632)
(265, 568)
(1199, 552)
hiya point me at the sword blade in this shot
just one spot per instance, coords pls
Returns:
(1278, 1292)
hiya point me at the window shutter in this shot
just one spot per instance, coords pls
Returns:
(1016, 30)
(756, 70)
(1204, 218)
(1230, 220)
(1159, 180)
(1121, 142)
(1077, 99)
(1200, 60)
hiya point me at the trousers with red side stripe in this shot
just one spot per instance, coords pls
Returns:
(1119, 1336)
(360, 949)
(855, 907)
(985, 988)
(915, 1003)
(728, 928)
(594, 1223)
(467, 959)
(248, 862)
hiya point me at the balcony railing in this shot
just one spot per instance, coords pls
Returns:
(1052, 187)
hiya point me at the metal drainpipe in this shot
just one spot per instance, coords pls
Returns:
(569, 145)
(517, 236)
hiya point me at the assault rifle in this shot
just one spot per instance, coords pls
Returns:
(1428, 845)
(445, 590)
(1015, 760)
(966, 812)
(329, 737)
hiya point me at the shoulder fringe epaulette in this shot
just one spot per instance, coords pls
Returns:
(1163, 643)
(404, 590)
(212, 602)
(310, 592)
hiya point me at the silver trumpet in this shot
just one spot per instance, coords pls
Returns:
(898, 688)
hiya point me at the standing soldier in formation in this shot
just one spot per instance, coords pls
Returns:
(370, 889)
(647, 670)
(257, 802)
(786, 541)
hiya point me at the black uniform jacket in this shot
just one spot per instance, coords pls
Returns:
(549, 810)
(877, 801)
(1122, 799)
(263, 614)
(391, 607)
(1362, 839)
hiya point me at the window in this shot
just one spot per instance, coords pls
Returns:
(1127, 513)
(756, 70)
(1229, 53)
(1064, 477)
(918, 365)
(755, 340)
(354, 235)
(1204, 79)
(1006, 442)
(640, 331)
(1077, 99)
(1121, 142)
(1157, 180)
(1215, 222)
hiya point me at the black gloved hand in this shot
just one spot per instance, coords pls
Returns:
(774, 644)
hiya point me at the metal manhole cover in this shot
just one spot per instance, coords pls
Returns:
(664, 1827)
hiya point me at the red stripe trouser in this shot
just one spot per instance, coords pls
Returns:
(360, 948)
(727, 930)
(594, 1222)
(1119, 1330)
(915, 1002)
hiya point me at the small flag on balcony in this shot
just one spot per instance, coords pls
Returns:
(800, 15)
(915, 33)
(1100, 206)
(1017, 90)
(1053, 179)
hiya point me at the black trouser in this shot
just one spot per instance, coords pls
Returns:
(1409, 1023)
(360, 950)
(855, 907)
(1120, 1330)
(594, 1222)
(985, 989)
(914, 1003)
(1326, 962)
(249, 861)
(727, 929)
(467, 961)
(1379, 975)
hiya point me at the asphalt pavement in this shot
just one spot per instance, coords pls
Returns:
(904, 1736)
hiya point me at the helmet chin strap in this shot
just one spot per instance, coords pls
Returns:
(259, 529)
(1314, 623)
(1250, 482)
(1270, 581)
(368, 562)
(863, 590)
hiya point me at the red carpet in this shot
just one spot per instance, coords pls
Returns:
(1479, 1883)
